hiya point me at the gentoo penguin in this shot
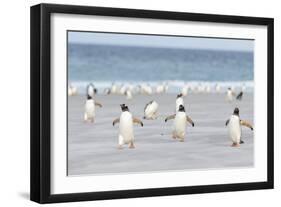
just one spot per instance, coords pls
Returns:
(150, 110)
(179, 101)
(229, 95)
(217, 88)
(244, 87)
(239, 96)
(72, 91)
(160, 88)
(146, 89)
(123, 90)
(91, 90)
(113, 89)
(126, 131)
(166, 87)
(234, 128)
(184, 90)
(128, 94)
(180, 123)
(107, 91)
(90, 109)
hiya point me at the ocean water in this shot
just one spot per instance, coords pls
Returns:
(104, 64)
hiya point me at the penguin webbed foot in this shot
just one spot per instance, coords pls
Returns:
(235, 145)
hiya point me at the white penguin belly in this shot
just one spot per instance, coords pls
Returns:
(126, 127)
(234, 129)
(90, 108)
(129, 95)
(113, 89)
(179, 102)
(90, 91)
(151, 110)
(160, 89)
(229, 96)
(180, 124)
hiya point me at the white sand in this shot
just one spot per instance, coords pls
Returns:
(92, 148)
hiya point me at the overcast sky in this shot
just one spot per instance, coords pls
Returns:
(160, 41)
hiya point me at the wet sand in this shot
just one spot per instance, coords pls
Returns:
(92, 148)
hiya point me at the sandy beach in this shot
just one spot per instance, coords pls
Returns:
(92, 148)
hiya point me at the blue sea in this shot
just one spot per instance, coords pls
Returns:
(104, 64)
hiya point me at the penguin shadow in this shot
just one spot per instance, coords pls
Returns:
(24, 195)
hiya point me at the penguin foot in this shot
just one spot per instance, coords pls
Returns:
(132, 146)
(181, 140)
(235, 145)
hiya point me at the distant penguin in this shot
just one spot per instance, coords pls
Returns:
(179, 101)
(160, 88)
(123, 90)
(166, 87)
(107, 91)
(148, 89)
(244, 88)
(184, 90)
(113, 89)
(208, 89)
(126, 131)
(128, 94)
(239, 96)
(90, 109)
(200, 88)
(72, 91)
(234, 128)
(217, 88)
(150, 110)
(180, 122)
(91, 90)
(230, 95)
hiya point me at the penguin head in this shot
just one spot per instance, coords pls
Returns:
(89, 97)
(236, 111)
(181, 108)
(124, 107)
(179, 95)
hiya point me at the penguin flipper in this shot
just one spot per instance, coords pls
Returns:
(170, 117)
(136, 120)
(146, 105)
(226, 123)
(98, 104)
(246, 124)
(189, 120)
(116, 121)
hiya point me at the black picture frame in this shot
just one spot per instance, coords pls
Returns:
(40, 184)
